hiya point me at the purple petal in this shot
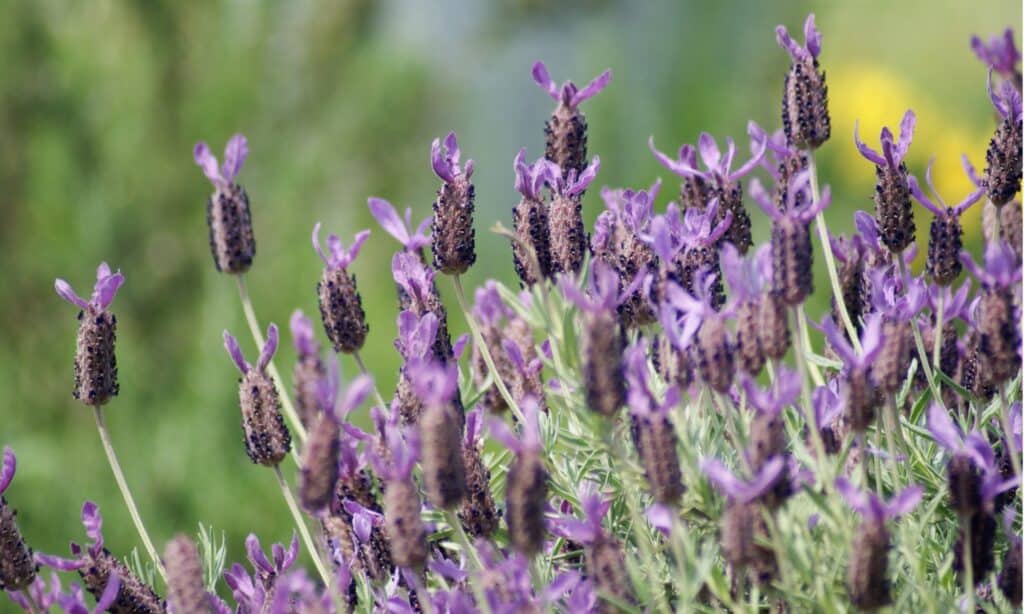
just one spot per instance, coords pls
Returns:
(235, 352)
(782, 36)
(357, 391)
(93, 523)
(586, 177)
(316, 244)
(388, 219)
(234, 157)
(972, 173)
(504, 435)
(758, 150)
(942, 428)
(660, 516)
(722, 477)
(357, 244)
(302, 334)
(58, 563)
(904, 502)
(854, 497)
(980, 451)
(10, 464)
(208, 162)
(109, 593)
(679, 167)
(915, 189)
(105, 290)
(812, 36)
(438, 162)
(65, 291)
(255, 553)
(837, 340)
(592, 89)
(765, 479)
(764, 200)
(572, 529)
(906, 134)
(291, 554)
(543, 79)
(709, 153)
(269, 348)
(864, 150)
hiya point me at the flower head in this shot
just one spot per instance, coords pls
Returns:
(893, 152)
(871, 341)
(595, 506)
(444, 158)
(1000, 54)
(435, 383)
(783, 391)
(404, 448)
(302, 334)
(874, 509)
(416, 335)
(603, 292)
(812, 41)
(828, 403)
(896, 298)
(569, 184)
(266, 353)
(338, 258)
(235, 153)
(1006, 100)
(73, 602)
(568, 94)
(531, 178)
(799, 192)
(718, 167)
(737, 489)
(1002, 268)
(747, 277)
(415, 278)
(103, 292)
(412, 240)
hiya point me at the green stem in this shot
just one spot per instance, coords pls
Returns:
(301, 525)
(937, 336)
(830, 262)
(805, 339)
(805, 393)
(129, 501)
(257, 335)
(362, 369)
(893, 430)
(478, 340)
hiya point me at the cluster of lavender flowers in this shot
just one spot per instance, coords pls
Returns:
(503, 482)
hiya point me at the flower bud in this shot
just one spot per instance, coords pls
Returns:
(1000, 334)
(526, 492)
(232, 242)
(749, 352)
(655, 441)
(319, 470)
(134, 597)
(773, 330)
(602, 348)
(862, 400)
(1009, 580)
(406, 534)
(714, 354)
(867, 577)
(95, 362)
(186, 590)
(568, 236)
(792, 260)
(267, 440)
(341, 309)
(672, 365)
(530, 221)
(1003, 171)
(944, 245)
(444, 475)
(742, 526)
(983, 538)
(17, 568)
(890, 370)
(478, 513)
(605, 564)
(452, 231)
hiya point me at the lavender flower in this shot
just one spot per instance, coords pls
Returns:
(186, 591)
(828, 403)
(858, 384)
(568, 238)
(699, 236)
(444, 474)
(867, 580)
(723, 181)
(1003, 157)
(341, 307)
(787, 160)
(419, 294)
(227, 210)
(713, 350)
(944, 243)
(478, 513)
(892, 192)
(309, 368)
(452, 227)
(654, 436)
(255, 593)
(74, 602)
(267, 440)
(805, 117)
(1000, 54)
(43, 594)
(526, 486)
(17, 569)
(405, 531)
(97, 566)
(566, 130)
(898, 300)
(95, 362)
(997, 324)
(531, 251)
(413, 239)
(747, 279)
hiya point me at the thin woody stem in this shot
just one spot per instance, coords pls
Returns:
(126, 493)
(301, 525)
(257, 335)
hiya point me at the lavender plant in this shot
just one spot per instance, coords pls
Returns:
(640, 436)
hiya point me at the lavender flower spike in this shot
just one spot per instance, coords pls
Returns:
(566, 232)
(805, 117)
(413, 240)
(341, 306)
(1003, 157)
(17, 568)
(945, 239)
(452, 226)
(893, 152)
(566, 129)
(1000, 54)
(232, 243)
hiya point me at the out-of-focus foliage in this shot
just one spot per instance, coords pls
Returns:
(101, 102)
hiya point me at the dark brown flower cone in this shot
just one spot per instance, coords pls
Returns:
(974, 376)
(944, 245)
(231, 238)
(443, 339)
(983, 539)
(492, 398)
(749, 353)
(1003, 172)
(636, 311)
(805, 117)
(773, 327)
(602, 349)
(135, 597)
(341, 310)
(186, 588)
(655, 441)
(454, 242)
(17, 568)
(319, 472)
(530, 220)
(730, 199)
(694, 193)
(1000, 335)
(714, 355)
(1009, 580)
(672, 365)
(306, 377)
(95, 362)
(867, 577)
(692, 262)
(605, 564)
(788, 167)
(851, 283)
(565, 134)
(444, 475)
(267, 440)
(792, 261)
(522, 384)
(894, 212)
(478, 513)
(340, 539)
(405, 531)
(409, 404)
(890, 370)
(742, 525)
(526, 492)
(568, 241)
(357, 486)
(964, 479)
(767, 441)
(375, 557)
(862, 399)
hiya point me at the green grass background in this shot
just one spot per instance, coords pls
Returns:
(101, 102)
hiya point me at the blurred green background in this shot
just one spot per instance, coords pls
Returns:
(101, 102)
